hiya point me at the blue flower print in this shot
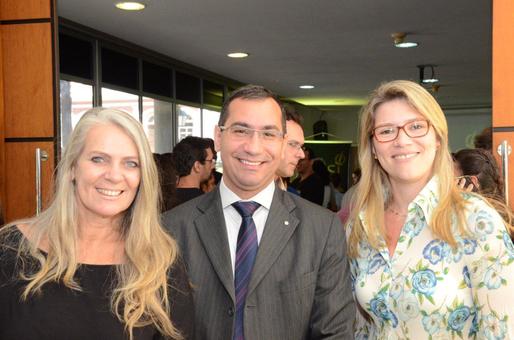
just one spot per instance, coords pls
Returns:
(424, 281)
(458, 318)
(436, 251)
(492, 279)
(509, 246)
(415, 225)
(375, 263)
(483, 224)
(379, 308)
(469, 246)
(432, 323)
(467, 278)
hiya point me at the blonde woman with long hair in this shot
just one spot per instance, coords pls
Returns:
(428, 260)
(96, 264)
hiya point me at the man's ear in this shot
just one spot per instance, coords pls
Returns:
(197, 166)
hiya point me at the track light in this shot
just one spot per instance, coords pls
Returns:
(427, 79)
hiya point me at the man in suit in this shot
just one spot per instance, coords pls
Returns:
(278, 274)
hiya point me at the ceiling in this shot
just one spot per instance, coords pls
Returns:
(343, 47)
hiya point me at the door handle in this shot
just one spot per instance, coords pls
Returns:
(41, 156)
(504, 151)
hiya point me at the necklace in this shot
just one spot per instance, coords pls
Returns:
(396, 212)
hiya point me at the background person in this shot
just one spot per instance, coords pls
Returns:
(429, 261)
(96, 264)
(308, 183)
(193, 161)
(293, 150)
(481, 168)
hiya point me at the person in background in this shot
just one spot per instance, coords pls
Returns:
(193, 161)
(217, 175)
(321, 170)
(347, 200)
(480, 167)
(209, 184)
(293, 151)
(309, 184)
(265, 264)
(429, 261)
(484, 140)
(96, 264)
(167, 179)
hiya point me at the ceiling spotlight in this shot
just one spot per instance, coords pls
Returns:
(427, 79)
(130, 6)
(238, 55)
(306, 87)
(399, 40)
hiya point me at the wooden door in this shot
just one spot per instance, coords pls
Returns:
(29, 92)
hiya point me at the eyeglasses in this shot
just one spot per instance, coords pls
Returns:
(210, 160)
(242, 132)
(295, 145)
(414, 129)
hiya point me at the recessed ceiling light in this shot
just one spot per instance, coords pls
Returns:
(130, 6)
(406, 44)
(237, 55)
(306, 87)
(399, 40)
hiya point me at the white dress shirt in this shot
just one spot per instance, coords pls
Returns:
(233, 219)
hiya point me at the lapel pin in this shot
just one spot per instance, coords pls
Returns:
(286, 222)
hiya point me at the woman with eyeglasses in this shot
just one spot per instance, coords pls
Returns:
(428, 260)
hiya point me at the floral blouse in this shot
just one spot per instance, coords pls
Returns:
(428, 290)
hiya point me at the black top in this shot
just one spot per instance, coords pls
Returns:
(186, 194)
(311, 188)
(63, 313)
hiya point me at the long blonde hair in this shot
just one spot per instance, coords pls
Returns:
(140, 294)
(372, 193)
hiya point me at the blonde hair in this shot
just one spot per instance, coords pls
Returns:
(140, 294)
(373, 190)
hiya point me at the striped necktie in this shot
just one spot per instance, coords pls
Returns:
(246, 253)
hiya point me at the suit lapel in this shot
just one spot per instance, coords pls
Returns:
(280, 225)
(213, 234)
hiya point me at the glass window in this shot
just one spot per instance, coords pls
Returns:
(157, 123)
(76, 98)
(189, 121)
(75, 56)
(213, 93)
(210, 120)
(119, 69)
(157, 79)
(121, 100)
(187, 87)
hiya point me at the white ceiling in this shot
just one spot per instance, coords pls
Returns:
(343, 47)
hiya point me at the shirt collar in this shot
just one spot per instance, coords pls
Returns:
(264, 197)
(426, 200)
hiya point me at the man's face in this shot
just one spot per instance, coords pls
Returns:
(304, 164)
(293, 149)
(250, 161)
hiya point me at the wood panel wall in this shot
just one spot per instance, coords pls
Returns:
(503, 81)
(29, 110)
